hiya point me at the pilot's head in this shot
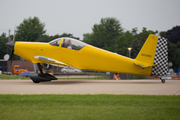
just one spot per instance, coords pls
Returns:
(68, 42)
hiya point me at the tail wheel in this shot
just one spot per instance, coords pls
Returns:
(163, 81)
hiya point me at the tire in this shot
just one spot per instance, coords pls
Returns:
(163, 81)
(35, 81)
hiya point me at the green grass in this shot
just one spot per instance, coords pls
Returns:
(88, 107)
(6, 77)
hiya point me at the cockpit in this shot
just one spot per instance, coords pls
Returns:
(55, 42)
(69, 43)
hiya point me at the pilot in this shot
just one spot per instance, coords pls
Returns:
(68, 44)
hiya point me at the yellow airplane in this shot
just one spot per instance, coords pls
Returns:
(151, 60)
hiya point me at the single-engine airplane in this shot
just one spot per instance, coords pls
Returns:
(151, 60)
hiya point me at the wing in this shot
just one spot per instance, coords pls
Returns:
(47, 60)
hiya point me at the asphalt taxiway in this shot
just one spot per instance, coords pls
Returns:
(138, 87)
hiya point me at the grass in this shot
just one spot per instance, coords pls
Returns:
(6, 77)
(87, 107)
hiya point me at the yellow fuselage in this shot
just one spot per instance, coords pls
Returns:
(88, 58)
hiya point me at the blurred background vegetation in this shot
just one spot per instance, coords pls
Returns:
(109, 34)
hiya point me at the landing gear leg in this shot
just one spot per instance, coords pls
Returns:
(40, 77)
(40, 68)
(36, 71)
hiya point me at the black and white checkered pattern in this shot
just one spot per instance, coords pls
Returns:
(160, 58)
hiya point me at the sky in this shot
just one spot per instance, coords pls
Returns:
(78, 16)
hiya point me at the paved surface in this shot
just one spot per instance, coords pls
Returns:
(75, 76)
(148, 87)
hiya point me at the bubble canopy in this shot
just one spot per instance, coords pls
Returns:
(69, 43)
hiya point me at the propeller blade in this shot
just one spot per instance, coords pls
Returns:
(11, 46)
(11, 57)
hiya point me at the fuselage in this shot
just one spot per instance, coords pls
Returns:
(86, 58)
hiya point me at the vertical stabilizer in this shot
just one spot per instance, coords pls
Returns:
(154, 53)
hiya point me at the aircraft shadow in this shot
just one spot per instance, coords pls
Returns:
(66, 82)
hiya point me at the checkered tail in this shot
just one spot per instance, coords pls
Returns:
(161, 58)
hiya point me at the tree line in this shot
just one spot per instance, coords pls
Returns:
(108, 34)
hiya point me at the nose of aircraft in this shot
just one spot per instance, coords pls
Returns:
(10, 45)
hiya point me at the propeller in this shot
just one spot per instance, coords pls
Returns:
(11, 57)
(11, 46)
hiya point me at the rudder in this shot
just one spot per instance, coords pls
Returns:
(160, 58)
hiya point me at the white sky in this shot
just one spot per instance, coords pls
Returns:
(78, 16)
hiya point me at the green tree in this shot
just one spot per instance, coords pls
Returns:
(87, 38)
(173, 45)
(122, 44)
(109, 31)
(138, 39)
(135, 48)
(174, 55)
(30, 30)
(47, 38)
(105, 34)
(178, 45)
(3, 34)
(142, 36)
(3, 48)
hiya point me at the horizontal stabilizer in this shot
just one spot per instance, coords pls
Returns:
(143, 65)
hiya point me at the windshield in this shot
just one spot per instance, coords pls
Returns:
(74, 44)
(55, 42)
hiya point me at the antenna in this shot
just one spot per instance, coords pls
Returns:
(14, 35)
(9, 36)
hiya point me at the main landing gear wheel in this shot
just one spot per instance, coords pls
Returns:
(35, 81)
(163, 81)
